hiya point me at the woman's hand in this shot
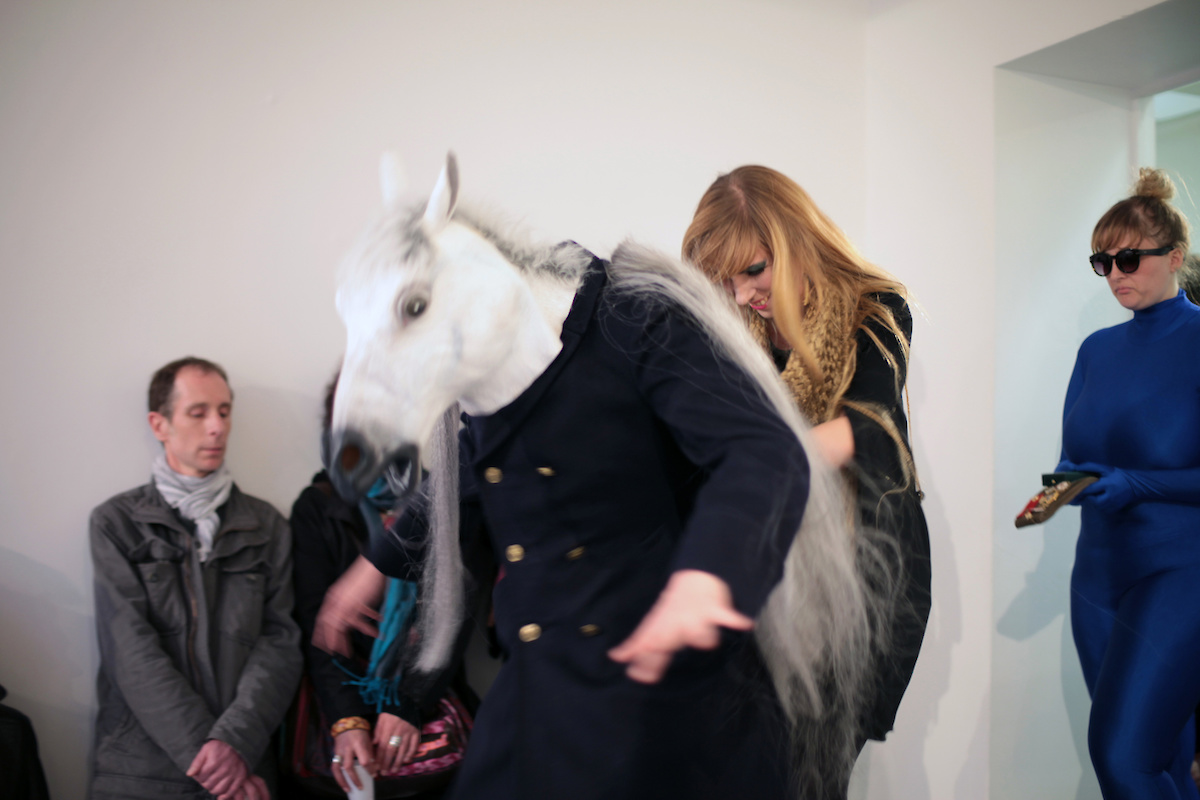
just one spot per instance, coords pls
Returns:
(352, 746)
(835, 441)
(350, 604)
(392, 757)
(1111, 493)
(690, 612)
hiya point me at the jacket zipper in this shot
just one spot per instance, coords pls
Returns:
(194, 621)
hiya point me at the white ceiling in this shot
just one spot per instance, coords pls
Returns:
(1149, 52)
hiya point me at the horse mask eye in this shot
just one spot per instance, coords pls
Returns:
(413, 306)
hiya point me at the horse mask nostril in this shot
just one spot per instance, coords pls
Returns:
(349, 458)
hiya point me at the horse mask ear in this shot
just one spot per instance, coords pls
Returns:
(445, 195)
(391, 179)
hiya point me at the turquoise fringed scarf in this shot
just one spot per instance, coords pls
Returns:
(380, 686)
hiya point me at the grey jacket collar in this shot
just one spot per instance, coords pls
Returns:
(237, 515)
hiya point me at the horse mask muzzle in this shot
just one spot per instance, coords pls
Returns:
(355, 466)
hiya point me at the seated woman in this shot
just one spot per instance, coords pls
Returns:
(838, 329)
(376, 723)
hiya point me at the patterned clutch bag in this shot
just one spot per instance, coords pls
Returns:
(1060, 489)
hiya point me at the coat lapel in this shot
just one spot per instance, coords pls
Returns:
(237, 516)
(493, 430)
(152, 509)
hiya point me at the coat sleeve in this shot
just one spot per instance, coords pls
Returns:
(756, 475)
(162, 700)
(320, 559)
(877, 383)
(400, 553)
(272, 670)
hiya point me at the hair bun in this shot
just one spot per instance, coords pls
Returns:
(1153, 182)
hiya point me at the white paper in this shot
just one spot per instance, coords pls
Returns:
(367, 792)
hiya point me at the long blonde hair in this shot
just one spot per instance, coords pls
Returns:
(812, 261)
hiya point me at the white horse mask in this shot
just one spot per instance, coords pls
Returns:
(434, 315)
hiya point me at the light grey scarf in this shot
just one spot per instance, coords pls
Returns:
(196, 498)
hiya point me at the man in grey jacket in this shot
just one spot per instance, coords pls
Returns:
(199, 655)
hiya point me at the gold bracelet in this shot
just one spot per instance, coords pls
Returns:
(349, 724)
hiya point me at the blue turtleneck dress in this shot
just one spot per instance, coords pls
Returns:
(1133, 414)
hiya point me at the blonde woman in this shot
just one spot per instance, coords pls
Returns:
(838, 329)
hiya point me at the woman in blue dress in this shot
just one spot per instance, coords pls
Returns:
(1132, 415)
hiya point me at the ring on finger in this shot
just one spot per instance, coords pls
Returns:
(337, 759)
(394, 741)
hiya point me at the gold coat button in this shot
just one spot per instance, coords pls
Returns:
(530, 632)
(547, 472)
(514, 552)
(576, 553)
(493, 475)
(589, 629)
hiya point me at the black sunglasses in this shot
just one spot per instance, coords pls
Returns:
(1127, 260)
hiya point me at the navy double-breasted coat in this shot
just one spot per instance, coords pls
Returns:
(637, 453)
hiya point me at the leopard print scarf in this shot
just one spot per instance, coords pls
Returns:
(827, 330)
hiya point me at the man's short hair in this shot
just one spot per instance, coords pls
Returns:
(162, 385)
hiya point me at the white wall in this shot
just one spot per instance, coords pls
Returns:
(1064, 152)
(183, 177)
(1178, 150)
(931, 209)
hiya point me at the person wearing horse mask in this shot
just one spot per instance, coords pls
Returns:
(677, 602)
(199, 654)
